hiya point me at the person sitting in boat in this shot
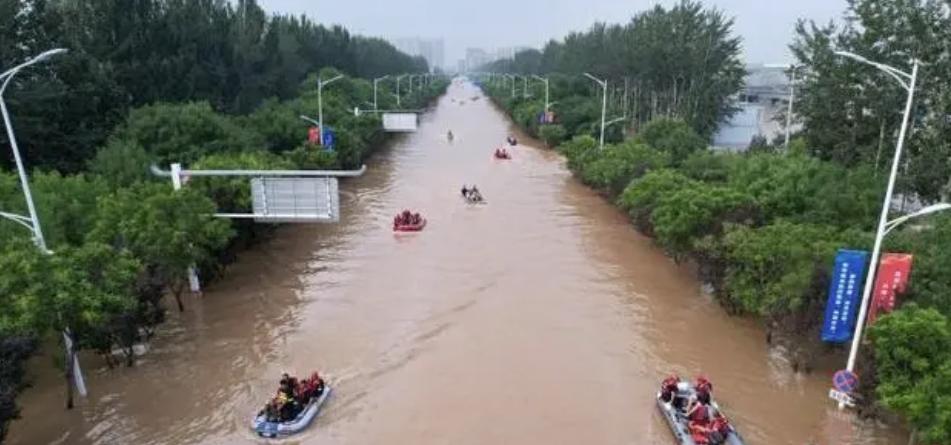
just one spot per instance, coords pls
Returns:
(704, 389)
(449, 135)
(310, 388)
(465, 191)
(407, 217)
(668, 390)
(697, 412)
(416, 218)
(288, 385)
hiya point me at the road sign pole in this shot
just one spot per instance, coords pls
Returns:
(193, 283)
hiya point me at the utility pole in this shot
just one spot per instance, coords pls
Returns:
(604, 103)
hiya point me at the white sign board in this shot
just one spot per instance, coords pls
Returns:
(841, 397)
(295, 199)
(399, 122)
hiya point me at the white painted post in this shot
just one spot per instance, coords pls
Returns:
(193, 283)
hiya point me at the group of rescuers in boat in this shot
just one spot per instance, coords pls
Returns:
(292, 397)
(471, 194)
(705, 424)
(407, 218)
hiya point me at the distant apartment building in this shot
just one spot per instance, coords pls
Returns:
(433, 50)
(476, 57)
(763, 99)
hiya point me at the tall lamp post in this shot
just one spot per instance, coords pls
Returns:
(320, 103)
(33, 221)
(398, 78)
(907, 81)
(604, 103)
(792, 97)
(7, 76)
(545, 80)
(375, 82)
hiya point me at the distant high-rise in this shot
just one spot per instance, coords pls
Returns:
(476, 57)
(433, 50)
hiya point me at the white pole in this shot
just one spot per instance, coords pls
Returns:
(546, 97)
(320, 111)
(604, 108)
(604, 103)
(194, 284)
(24, 181)
(375, 82)
(398, 90)
(28, 195)
(792, 97)
(320, 104)
(883, 220)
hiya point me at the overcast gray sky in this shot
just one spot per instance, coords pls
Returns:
(766, 26)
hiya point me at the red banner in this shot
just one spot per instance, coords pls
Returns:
(892, 279)
(312, 135)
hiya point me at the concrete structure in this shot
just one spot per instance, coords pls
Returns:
(762, 102)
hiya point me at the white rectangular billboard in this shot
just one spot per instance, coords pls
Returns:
(399, 122)
(295, 199)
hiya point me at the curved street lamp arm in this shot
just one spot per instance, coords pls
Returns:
(925, 211)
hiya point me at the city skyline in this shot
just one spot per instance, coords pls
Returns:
(766, 28)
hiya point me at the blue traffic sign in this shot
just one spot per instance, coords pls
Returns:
(845, 381)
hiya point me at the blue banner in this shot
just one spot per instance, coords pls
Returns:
(845, 288)
(328, 138)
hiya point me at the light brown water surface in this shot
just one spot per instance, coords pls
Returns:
(540, 318)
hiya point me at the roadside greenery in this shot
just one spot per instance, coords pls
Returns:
(763, 226)
(131, 93)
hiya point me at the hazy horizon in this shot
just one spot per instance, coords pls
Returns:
(766, 27)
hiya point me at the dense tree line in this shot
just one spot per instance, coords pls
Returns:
(679, 62)
(764, 225)
(209, 83)
(851, 111)
(127, 53)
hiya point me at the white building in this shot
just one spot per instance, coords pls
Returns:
(764, 98)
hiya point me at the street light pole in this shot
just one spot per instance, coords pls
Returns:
(74, 372)
(545, 80)
(604, 103)
(792, 97)
(320, 104)
(7, 76)
(398, 89)
(907, 81)
(375, 82)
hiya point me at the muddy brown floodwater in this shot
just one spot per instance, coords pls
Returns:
(540, 318)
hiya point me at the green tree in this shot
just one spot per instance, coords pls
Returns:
(617, 165)
(552, 134)
(643, 195)
(167, 230)
(121, 163)
(772, 270)
(184, 133)
(672, 136)
(684, 217)
(913, 368)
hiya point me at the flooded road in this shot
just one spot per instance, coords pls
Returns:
(540, 318)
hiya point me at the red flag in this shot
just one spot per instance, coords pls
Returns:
(312, 136)
(892, 279)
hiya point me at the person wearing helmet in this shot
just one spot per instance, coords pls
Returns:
(704, 389)
(668, 388)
